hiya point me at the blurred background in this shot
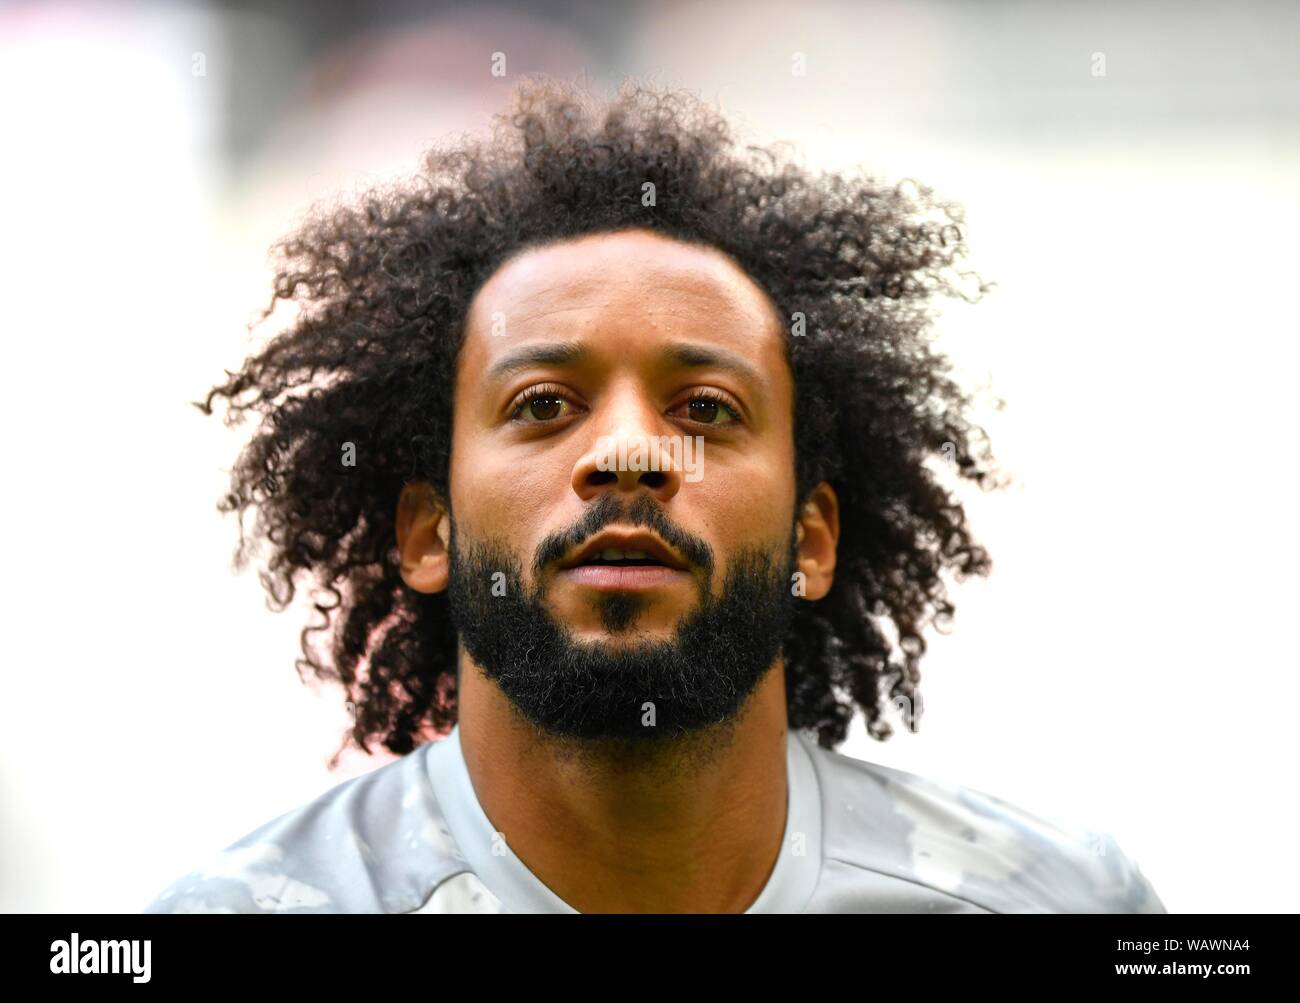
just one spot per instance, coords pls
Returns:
(1131, 176)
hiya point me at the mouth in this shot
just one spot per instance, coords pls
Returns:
(626, 561)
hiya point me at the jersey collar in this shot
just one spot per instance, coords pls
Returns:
(788, 888)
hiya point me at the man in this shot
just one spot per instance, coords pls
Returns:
(618, 479)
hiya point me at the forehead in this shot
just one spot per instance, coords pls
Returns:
(634, 286)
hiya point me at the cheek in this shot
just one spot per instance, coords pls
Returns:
(745, 498)
(495, 496)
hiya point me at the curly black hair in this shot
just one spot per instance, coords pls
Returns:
(383, 286)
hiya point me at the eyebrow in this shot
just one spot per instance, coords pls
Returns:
(699, 357)
(565, 353)
(679, 354)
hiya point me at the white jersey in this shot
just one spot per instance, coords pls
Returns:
(411, 837)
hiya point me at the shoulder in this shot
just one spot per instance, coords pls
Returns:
(375, 843)
(971, 846)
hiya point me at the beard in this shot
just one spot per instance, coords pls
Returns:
(635, 692)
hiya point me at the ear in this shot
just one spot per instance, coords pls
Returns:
(817, 534)
(423, 535)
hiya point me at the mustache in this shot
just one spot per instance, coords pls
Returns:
(608, 511)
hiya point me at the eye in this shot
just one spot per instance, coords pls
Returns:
(539, 404)
(707, 407)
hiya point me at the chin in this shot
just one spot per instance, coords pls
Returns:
(584, 619)
(636, 632)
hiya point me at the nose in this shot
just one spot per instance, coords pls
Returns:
(631, 448)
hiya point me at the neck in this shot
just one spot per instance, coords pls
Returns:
(689, 824)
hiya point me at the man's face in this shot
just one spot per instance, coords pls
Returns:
(622, 484)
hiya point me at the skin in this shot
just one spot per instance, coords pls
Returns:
(653, 838)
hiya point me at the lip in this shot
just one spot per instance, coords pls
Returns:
(625, 540)
(634, 578)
